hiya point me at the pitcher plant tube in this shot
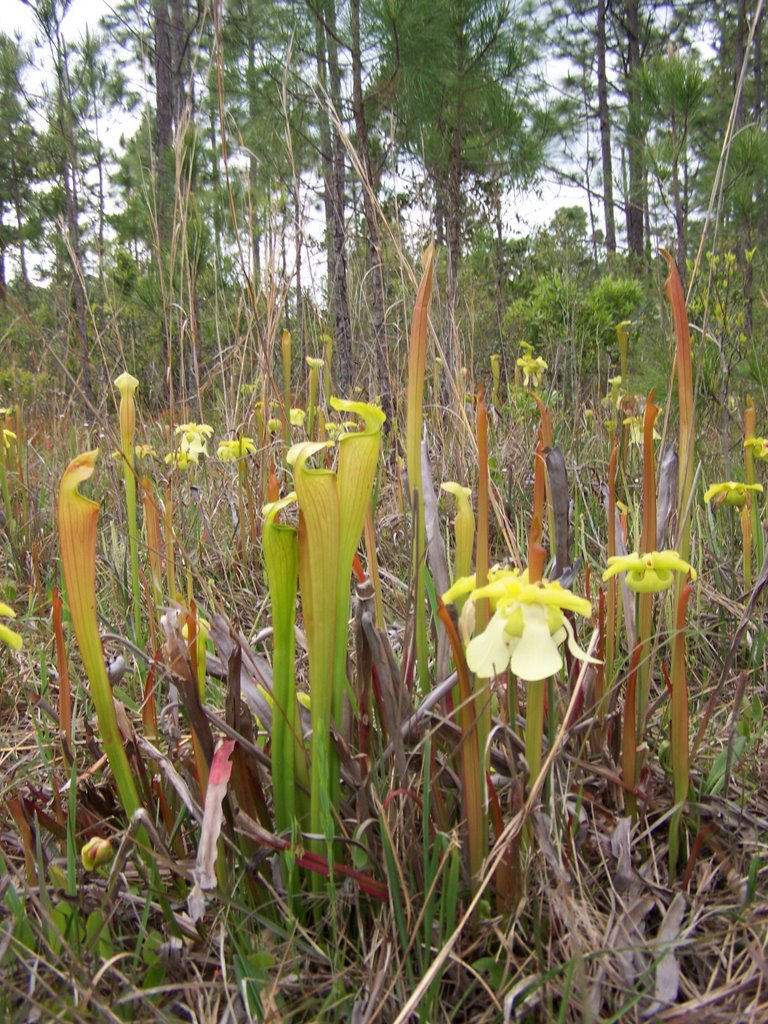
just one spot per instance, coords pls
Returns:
(78, 519)
(280, 551)
(332, 510)
(127, 385)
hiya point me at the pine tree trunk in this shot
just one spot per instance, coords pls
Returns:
(70, 163)
(163, 154)
(163, 141)
(677, 199)
(343, 340)
(329, 79)
(635, 140)
(453, 232)
(17, 207)
(371, 220)
(501, 263)
(605, 131)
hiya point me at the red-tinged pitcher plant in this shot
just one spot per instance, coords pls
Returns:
(674, 291)
(285, 410)
(644, 620)
(417, 365)
(78, 519)
(332, 511)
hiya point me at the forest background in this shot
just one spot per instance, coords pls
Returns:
(301, 150)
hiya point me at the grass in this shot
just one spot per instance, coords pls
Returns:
(574, 916)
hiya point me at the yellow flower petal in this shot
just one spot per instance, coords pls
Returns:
(488, 654)
(648, 573)
(11, 638)
(731, 493)
(535, 655)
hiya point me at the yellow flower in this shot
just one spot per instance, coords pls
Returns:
(145, 451)
(533, 368)
(731, 493)
(238, 448)
(274, 425)
(297, 417)
(466, 584)
(615, 394)
(318, 364)
(8, 636)
(181, 460)
(759, 446)
(649, 573)
(635, 424)
(527, 628)
(194, 438)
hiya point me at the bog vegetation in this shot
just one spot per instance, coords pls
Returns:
(384, 643)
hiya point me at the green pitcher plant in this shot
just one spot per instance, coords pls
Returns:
(127, 385)
(280, 550)
(332, 510)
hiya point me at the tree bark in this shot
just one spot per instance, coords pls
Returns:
(371, 220)
(605, 131)
(501, 262)
(332, 154)
(18, 210)
(340, 287)
(69, 166)
(163, 141)
(635, 140)
(677, 199)
(453, 227)
(163, 153)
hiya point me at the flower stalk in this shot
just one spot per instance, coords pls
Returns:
(679, 725)
(749, 479)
